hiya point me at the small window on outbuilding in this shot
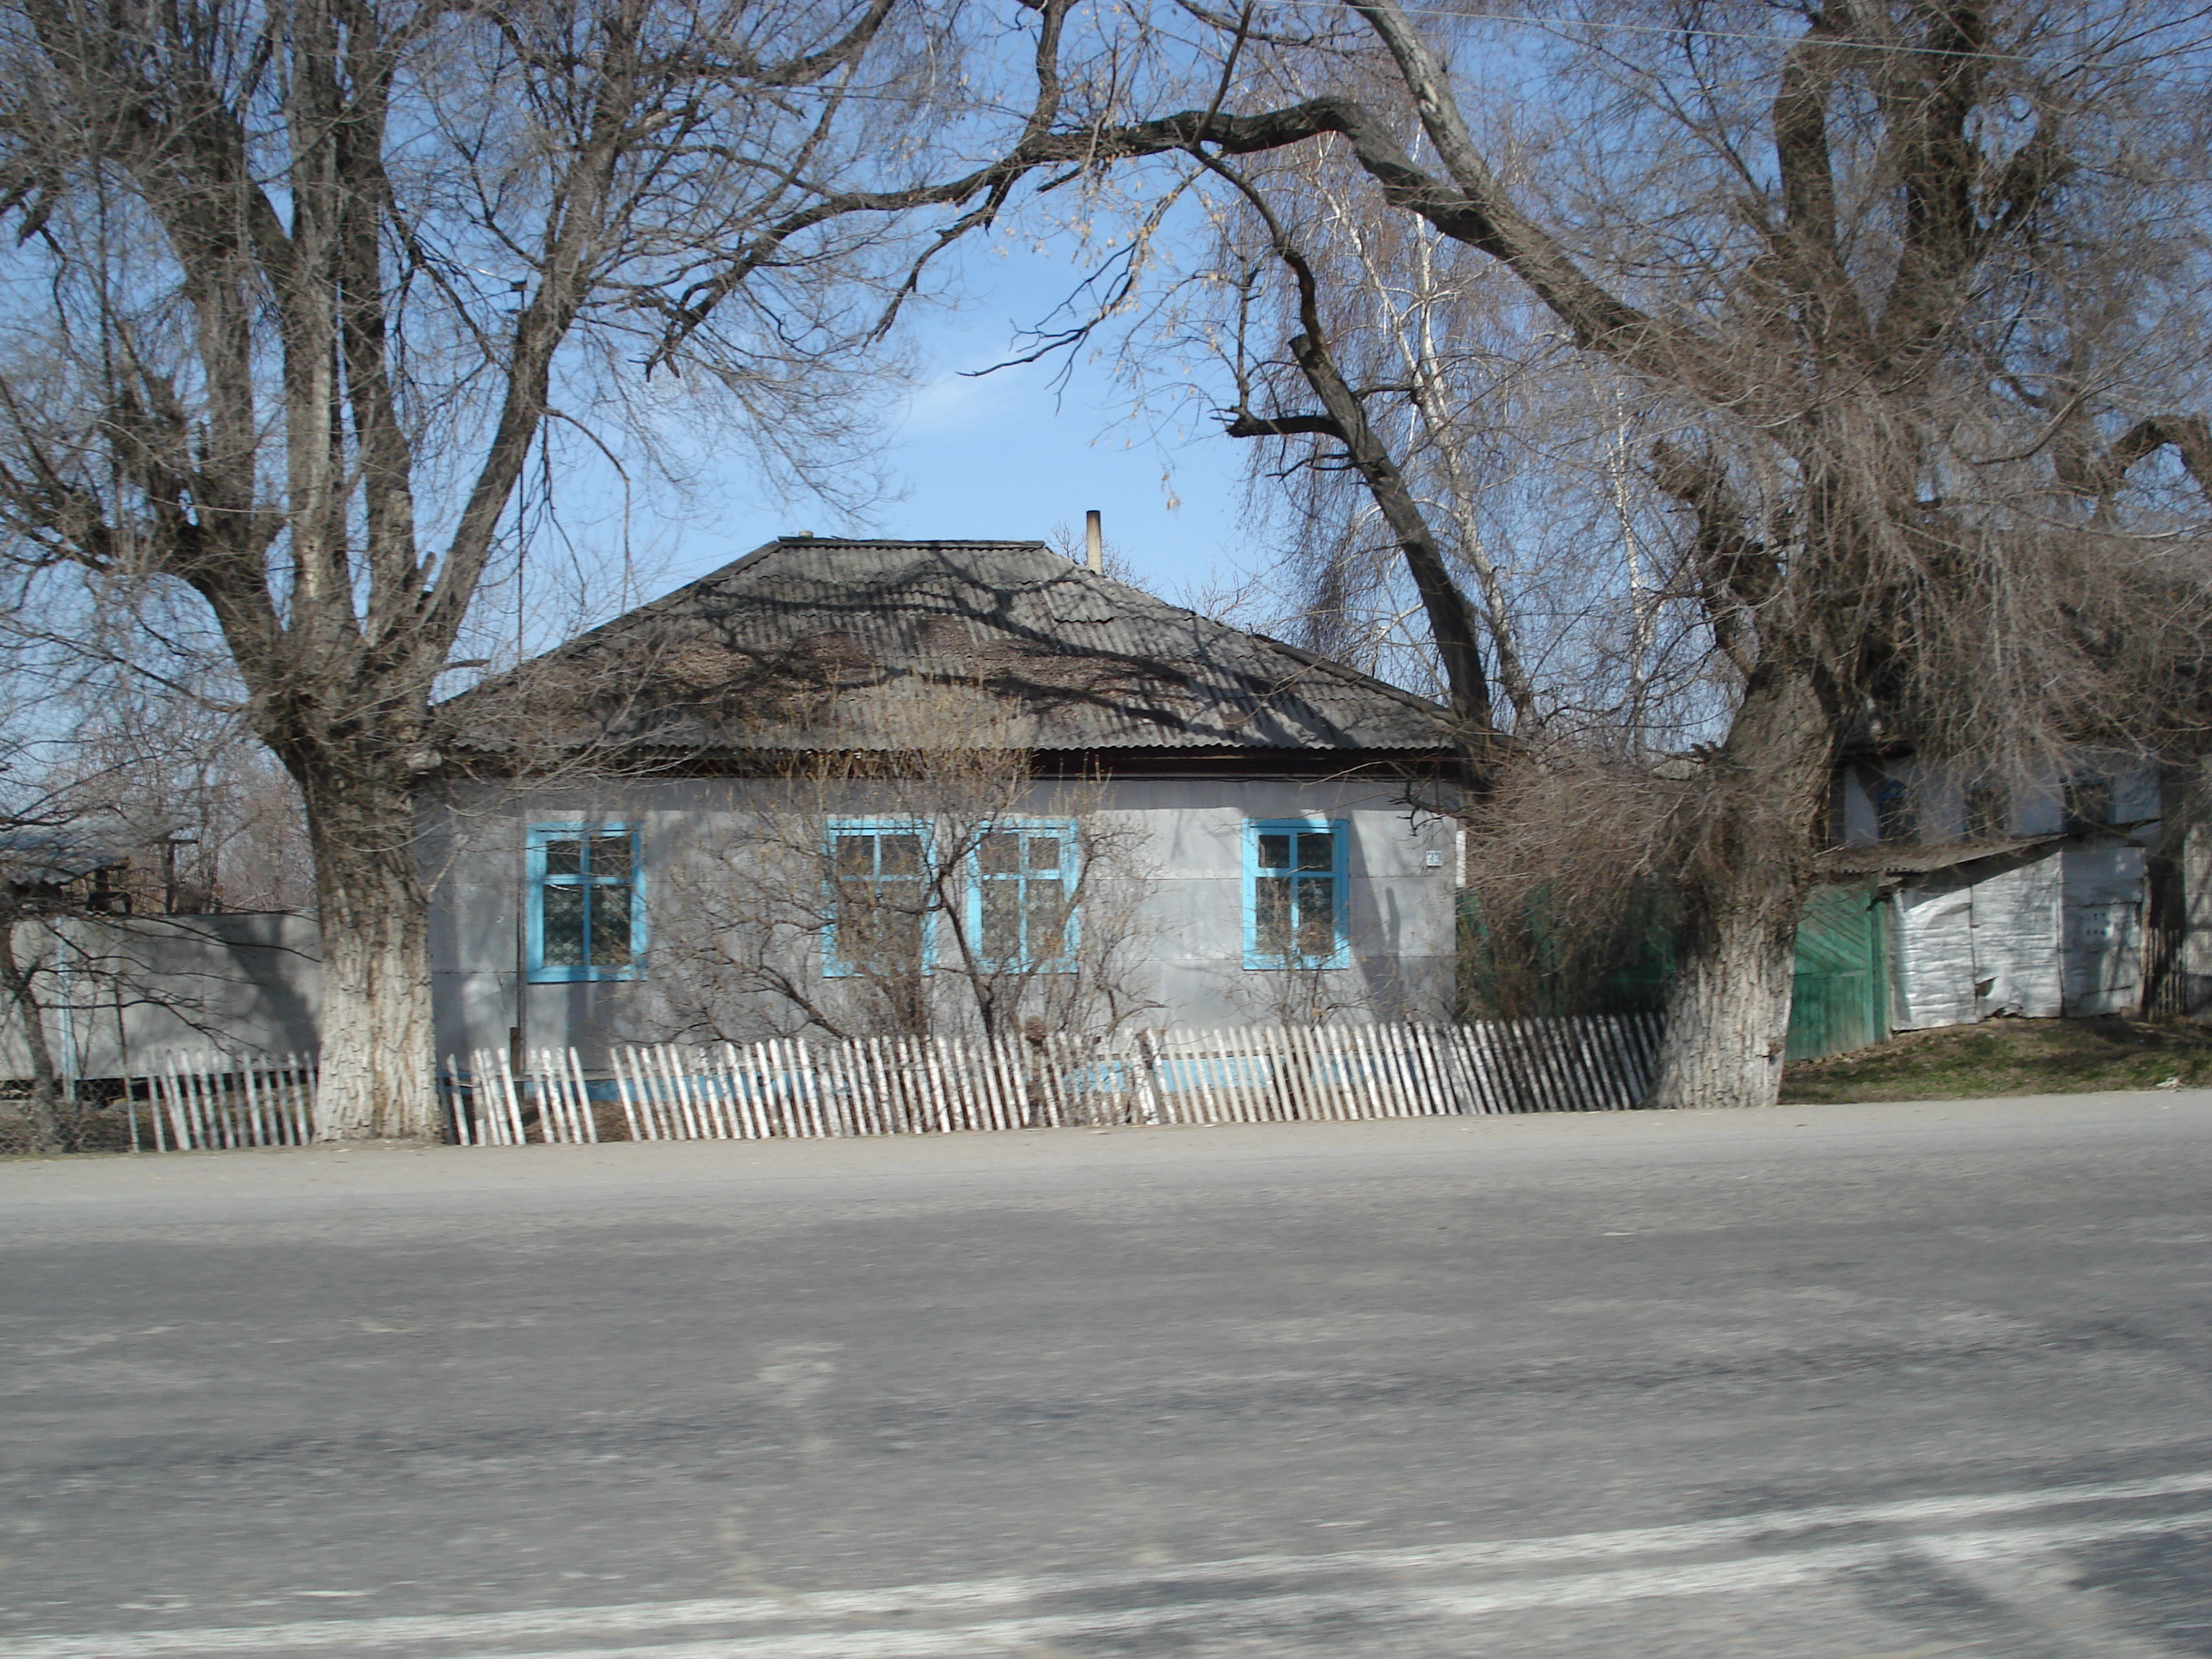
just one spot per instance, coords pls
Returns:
(1989, 811)
(2088, 804)
(1896, 813)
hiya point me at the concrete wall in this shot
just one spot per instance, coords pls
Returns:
(1183, 846)
(122, 992)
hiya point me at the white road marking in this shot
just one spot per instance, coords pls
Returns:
(1397, 1604)
(1915, 1525)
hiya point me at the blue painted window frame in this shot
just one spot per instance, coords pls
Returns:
(1340, 833)
(832, 967)
(1064, 829)
(536, 880)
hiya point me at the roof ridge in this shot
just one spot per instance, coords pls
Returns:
(1125, 665)
(1311, 658)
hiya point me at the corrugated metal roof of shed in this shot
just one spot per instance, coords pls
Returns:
(810, 643)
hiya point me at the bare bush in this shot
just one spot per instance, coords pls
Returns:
(933, 883)
(1569, 892)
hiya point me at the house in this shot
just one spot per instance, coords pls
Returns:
(860, 785)
(1985, 901)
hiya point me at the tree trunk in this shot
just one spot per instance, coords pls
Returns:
(377, 1079)
(46, 1082)
(1743, 887)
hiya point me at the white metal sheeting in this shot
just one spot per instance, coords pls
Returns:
(2102, 938)
(2016, 942)
(1935, 976)
(2057, 934)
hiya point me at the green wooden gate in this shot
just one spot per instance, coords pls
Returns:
(1840, 998)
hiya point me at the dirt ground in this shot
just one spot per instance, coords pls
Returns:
(2010, 1057)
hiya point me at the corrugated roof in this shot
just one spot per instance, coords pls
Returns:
(814, 643)
(47, 854)
(1918, 858)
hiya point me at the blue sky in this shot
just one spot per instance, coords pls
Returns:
(1007, 456)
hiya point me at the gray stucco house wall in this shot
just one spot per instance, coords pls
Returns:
(670, 735)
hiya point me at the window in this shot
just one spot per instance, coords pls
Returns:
(1896, 814)
(585, 902)
(1294, 894)
(1989, 811)
(880, 898)
(1022, 895)
(2088, 804)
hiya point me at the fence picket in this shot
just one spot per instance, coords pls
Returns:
(786, 1088)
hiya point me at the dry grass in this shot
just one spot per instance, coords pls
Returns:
(2008, 1057)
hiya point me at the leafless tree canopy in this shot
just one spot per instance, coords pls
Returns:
(300, 293)
(1746, 375)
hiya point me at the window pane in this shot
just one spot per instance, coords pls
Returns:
(1000, 853)
(1275, 852)
(564, 858)
(1001, 942)
(1895, 818)
(880, 938)
(1317, 851)
(1989, 809)
(610, 924)
(1271, 916)
(610, 857)
(2088, 804)
(1046, 921)
(900, 852)
(1317, 918)
(564, 925)
(1044, 853)
(855, 856)
(900, 937)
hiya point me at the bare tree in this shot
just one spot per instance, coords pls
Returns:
(932, 883)
(215, 821)
(300, 291)
(37, 878)
(1898, 307)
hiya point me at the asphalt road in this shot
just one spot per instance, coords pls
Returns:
(1834, 1381)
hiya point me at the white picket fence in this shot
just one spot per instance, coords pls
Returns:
(1266, 1074)
(911, 1085)
(201, 1102)
(887, 1085)
(488, 1105)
